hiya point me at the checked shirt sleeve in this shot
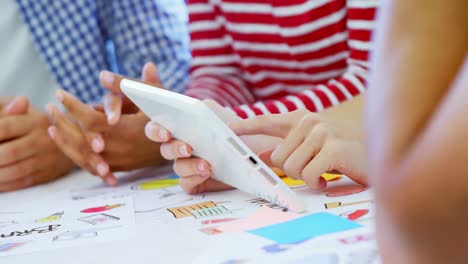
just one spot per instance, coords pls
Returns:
(149, 30)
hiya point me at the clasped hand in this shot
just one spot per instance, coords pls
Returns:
(27, 155)
(105, 138)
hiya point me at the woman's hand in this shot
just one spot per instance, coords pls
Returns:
(195, 172)
(312, 145)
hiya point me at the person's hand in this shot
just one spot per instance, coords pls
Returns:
(312, 145)
(115, 102)
(109, 138)
(27, 155)
(195, 172)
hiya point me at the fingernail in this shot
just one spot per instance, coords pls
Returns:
(111, 117)
(107, 77)
(148, 65)
(51, 131)
(184, 151)
(9, 106)
(60, 95)
(97, 145)
(111, 181)
(102, 169)
(162, 135)
(50, 109)
(202, 169)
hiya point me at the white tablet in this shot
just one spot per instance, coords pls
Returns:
(193, 122)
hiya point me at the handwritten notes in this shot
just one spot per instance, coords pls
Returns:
(304, 228)
(41, 228)
(35, 230)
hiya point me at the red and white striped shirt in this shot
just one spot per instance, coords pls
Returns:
(276, 56)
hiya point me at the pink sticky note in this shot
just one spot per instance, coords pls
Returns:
(264, 216)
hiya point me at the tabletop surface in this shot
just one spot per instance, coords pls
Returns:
(153, 243)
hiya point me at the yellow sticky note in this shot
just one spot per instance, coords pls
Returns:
(158, 184)
(292, 182)
(331, 177)
(296, 183)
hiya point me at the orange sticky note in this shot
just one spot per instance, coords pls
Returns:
(278, 172)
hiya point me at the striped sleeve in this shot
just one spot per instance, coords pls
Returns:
(215, 71)
(360, 24)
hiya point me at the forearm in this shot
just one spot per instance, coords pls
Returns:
(319, 98)
(422, 198)
(417, 58)
(416, 130)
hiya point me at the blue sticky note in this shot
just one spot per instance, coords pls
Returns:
(304, 228)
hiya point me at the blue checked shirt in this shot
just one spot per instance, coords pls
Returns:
(72, 37)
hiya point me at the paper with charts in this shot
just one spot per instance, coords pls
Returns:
(66, 224)
(150, 194)
(233, 227)
(237, 228)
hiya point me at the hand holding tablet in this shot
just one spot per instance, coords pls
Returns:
(231, 160)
